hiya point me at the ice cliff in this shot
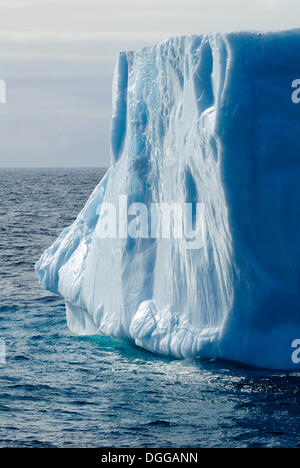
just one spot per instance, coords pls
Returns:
(201, 119)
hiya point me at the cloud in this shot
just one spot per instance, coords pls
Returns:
(57, 57)
(130, 16)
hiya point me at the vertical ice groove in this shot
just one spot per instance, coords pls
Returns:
(203, 69)
(119, 115)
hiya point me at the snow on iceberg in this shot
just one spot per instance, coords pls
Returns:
(201, 119)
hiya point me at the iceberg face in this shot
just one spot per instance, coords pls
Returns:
(205, 120)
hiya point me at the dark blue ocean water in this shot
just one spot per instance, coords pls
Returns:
(60, 390)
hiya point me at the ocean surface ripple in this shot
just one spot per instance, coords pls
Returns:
(60, 390)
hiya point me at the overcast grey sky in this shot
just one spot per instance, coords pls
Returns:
(57, 58)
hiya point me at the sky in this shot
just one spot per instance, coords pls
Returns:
(57, 59)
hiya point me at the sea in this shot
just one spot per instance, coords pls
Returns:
(61, 390)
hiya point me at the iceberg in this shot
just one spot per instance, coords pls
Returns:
(208, 120)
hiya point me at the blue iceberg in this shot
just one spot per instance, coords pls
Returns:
(211, 120)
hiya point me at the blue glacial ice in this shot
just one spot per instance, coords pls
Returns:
(207, 119)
